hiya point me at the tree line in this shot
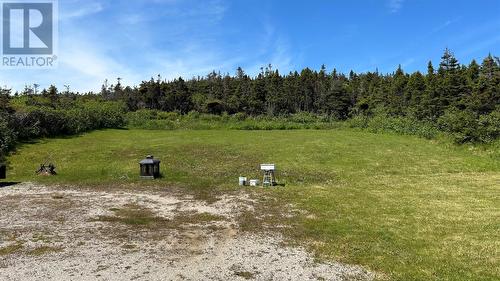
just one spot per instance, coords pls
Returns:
(427, 96)
(463, 100)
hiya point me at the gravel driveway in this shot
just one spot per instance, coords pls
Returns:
(55, 233)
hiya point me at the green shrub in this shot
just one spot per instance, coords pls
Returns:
(33, 122)
(382, 123)
(358, 121)
(489, 127)
(172, 116)
(7, 136)
(460, 124)
(150, 119)
(240, 116)
(304, 118)
(466, 126)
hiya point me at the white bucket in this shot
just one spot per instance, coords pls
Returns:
(254, 182)
(242, 181)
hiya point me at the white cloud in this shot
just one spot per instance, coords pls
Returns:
(83, 64)
(188, 46)
(90, 65)
(274, 49)
(444, 25)
(83, 11)
(281, 58)
(481, 47)
(408, 62)
(395, 5)
(89, 53)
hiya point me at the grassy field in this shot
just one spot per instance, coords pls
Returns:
(408, 208)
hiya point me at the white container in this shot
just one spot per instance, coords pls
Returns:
(254, 182)
(267, 167)
(242, 181)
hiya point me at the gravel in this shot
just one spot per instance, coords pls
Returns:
(59, 238)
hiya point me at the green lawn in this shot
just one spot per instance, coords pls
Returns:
(408, 208)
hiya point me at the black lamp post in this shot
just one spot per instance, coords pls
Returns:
(3, 171)
(150, 168)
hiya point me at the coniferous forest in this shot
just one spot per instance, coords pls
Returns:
(462, 100)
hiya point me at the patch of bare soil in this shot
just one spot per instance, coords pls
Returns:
(72, 234)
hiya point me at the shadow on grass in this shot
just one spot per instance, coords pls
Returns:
(44, 139)
(7, 184)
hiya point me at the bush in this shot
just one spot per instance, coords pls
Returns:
(240, 116)
(36, 122)
(489, 127)
(303, 118)
(382, 123)
(150, 119)
(461, 125)
(466, 126)
(172, 116)
(7, 136)
(358, 121)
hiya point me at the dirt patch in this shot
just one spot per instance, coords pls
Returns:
(73, 234)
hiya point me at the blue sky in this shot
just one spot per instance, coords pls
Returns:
(136, 40)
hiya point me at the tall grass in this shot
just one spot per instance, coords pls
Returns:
(158, 120)
(398, 125)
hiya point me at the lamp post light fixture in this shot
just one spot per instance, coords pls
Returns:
(150, 168)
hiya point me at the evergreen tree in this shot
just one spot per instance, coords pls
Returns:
(274, 92)
(242, 90)
(473, 72)
(415, 94)
(307, 90)
(486, 95)
(181, 97)
(291, 92)
(451, 82)
(52, 95)
(336, 101)
(397, 98)
(453, 86)
(321, 88)
(430, 107)
(258, 95)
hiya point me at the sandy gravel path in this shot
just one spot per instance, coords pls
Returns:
(69, 234)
